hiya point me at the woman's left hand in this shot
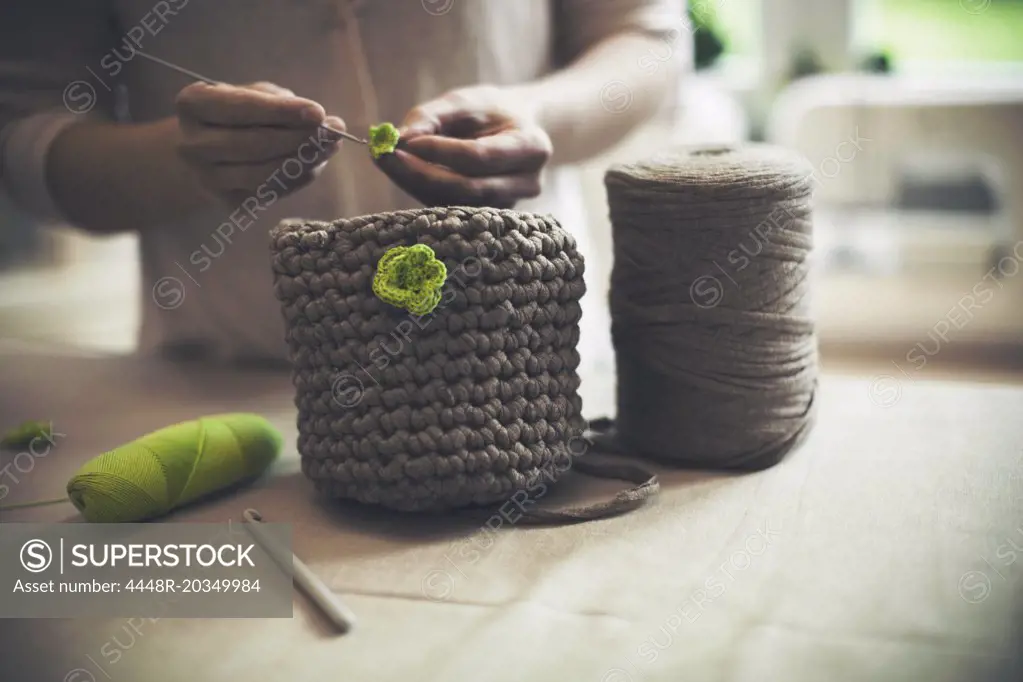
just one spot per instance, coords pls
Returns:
(478, 146)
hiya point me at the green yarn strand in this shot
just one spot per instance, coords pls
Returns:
(173, 467)
(33, 503)
(22, 435)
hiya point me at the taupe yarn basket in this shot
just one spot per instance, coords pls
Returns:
(463, 406)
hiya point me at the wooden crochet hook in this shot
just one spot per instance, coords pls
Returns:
(210, 81)
(320, 594)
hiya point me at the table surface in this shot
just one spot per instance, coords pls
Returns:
(883, 549)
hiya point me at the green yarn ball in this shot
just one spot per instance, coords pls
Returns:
(171, 467)
(383, 139)
(410, 277)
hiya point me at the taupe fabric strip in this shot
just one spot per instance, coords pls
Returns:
(647, 486)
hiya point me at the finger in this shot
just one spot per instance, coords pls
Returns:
(450, 116)
(270, 89)
(246, 180)
(328, 128)
(241, 196)
(436, 186)
(426, 119)
(229, 105)
(252, 145)
(293, 171)
(516, 151)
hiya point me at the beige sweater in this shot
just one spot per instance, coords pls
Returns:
(207, 279)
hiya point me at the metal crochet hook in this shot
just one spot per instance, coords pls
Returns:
(210, 81)
(320, 594)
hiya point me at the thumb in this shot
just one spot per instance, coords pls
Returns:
(270, 89)
(430, 118)
(417, 124)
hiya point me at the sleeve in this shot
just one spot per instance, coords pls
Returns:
(581, 24)
(50, 77)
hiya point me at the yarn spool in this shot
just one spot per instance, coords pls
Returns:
(715, 346)
(174, 466)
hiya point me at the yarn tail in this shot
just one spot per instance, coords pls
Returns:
(33, 503)
(647, 486)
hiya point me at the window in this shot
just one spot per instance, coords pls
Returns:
(736, 22)
(916, 35)
(919, 31)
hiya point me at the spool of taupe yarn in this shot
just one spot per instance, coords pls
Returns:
(715, 346)
(467, 405)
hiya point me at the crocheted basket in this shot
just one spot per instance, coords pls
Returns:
(462, 406)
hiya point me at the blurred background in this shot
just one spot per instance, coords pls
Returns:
(911, 112)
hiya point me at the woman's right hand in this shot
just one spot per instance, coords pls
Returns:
(239, 139)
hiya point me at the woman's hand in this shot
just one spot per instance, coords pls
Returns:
(478, 146)
(237, 138)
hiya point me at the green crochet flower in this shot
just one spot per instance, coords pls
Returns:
(410, 277)
(383, 139)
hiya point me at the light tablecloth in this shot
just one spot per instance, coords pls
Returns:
(883, 549)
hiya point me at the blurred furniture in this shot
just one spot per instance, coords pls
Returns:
(86, 294)
(903, 117)
(895, 255)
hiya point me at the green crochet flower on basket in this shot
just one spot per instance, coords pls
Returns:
(410, 277)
